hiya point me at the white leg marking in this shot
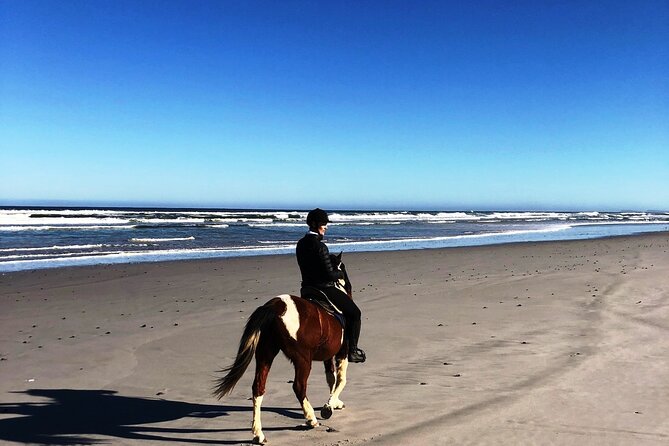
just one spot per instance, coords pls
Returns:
(258, 436)
(309, 413)
(291, 318)
(334, 400)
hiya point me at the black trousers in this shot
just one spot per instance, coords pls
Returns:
(351, 313)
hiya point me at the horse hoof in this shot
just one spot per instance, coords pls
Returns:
(257, 440)
(326, 412)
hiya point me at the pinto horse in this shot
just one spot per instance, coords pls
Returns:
(304, 331)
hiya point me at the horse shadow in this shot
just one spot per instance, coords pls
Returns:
(72, 416)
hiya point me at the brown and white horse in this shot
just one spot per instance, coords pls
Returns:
(304, 332)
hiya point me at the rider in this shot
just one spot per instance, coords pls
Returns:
(317, 271)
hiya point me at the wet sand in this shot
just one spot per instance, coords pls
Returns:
(537, 343)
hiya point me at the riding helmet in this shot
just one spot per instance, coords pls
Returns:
(317, 217)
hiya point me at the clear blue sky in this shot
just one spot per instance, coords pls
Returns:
(339, 104)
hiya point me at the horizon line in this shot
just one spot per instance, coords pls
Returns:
(57, 204)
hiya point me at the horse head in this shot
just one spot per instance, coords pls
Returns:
(344, 283)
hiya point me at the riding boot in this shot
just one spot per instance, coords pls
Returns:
(354, 353)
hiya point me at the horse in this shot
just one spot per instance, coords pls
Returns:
(304, 331)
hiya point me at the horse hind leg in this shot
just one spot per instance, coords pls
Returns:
(264, 357)
(258, 435)
(302, 370)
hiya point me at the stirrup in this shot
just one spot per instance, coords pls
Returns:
(356, 355)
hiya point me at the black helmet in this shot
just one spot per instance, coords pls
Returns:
(317, 217)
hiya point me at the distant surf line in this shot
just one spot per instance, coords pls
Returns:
(397, 244)
(161, 240)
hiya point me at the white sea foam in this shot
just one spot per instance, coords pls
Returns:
(555, 228)
(109, 257)
(279, 224)
(61, 255)
(64, 218)
(32, 218)
(140, 256)
(159, 240)
(619, 223)
(41, 217)
(62, 228)
(531, 216)
(52, 248)
(277, 242)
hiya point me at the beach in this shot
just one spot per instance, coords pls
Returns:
(561, 342)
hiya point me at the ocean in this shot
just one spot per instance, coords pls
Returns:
(36, 238)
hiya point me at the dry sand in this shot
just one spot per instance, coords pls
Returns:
(538, 343)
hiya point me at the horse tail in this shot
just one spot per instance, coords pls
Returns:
(247, 348)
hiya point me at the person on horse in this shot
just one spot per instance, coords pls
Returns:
(313, 257)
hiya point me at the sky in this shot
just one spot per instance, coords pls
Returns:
(434, 105)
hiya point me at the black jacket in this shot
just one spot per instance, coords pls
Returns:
(314, 260)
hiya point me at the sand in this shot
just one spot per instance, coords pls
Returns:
(538, 343)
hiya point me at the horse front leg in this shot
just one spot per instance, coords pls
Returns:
(334, 402)
(326, 410)
(330, 374)
(302, 370)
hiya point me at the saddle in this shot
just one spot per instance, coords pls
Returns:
(318, 297)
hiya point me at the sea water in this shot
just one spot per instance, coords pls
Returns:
(34, 238)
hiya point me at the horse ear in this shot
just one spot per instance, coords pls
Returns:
(339, 255)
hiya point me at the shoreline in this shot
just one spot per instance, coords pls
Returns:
(224, 257)
(556, 342)
(34, 239)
